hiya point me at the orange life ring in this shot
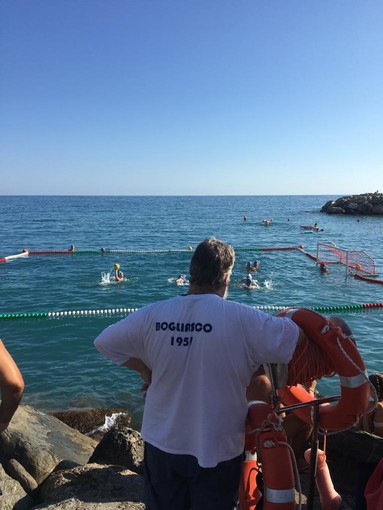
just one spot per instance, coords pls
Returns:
(249, 494)
(347, 363)
(265, 435)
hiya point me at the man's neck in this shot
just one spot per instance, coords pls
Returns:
(207, 289)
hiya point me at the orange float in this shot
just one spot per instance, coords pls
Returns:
(249, 494)
(265, 436)
(346, 361)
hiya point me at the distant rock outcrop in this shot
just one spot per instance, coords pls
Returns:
(365, 204)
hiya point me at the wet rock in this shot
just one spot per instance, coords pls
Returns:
(76, 504)
(39, 442)
(87, 421)
(13, 496)
(93, 483)
(123, 446)
(19, 473)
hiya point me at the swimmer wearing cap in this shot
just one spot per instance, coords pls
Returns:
(119, 275)
(250, 283)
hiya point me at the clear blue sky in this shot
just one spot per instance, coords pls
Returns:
(173, 97)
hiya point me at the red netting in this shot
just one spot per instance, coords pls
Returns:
(357, 260)
(308, 363)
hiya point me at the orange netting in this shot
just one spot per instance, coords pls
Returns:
(309, 362)
(358, 260)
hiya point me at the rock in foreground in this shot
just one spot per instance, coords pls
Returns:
(45, 464)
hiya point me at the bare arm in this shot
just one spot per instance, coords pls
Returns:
(302, 336)
(139, 366)
(260, 386)
(12, 387)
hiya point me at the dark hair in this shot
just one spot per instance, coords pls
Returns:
(377, 381)
(211, 262)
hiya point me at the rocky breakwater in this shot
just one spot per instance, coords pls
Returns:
(365, 204)
(46, 464)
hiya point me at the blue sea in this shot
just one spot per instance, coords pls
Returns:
(152, 237)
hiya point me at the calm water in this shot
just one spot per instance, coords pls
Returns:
(60, 366)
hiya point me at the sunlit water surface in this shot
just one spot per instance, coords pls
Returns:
(56, 355)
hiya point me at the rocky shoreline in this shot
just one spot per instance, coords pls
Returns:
(47, 464)
(370, 204)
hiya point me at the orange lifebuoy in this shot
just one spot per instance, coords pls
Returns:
(265, 435)
(292, 395)
(249, 494)
(347, 363)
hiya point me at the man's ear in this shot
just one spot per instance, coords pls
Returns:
(227, 279)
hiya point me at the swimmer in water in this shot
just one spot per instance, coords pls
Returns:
(250, 283)
(118, 275)
(251, 267)
(181, 280)
(323, 267)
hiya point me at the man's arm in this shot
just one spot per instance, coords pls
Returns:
(302, 336)
(12, 387)
(139, 366)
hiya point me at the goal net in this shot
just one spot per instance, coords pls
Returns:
(357, 260)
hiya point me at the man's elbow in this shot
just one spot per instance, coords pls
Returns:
(16, 389)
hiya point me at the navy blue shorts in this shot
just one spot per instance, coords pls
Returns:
(177, 482)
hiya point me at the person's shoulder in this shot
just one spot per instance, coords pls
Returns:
(240, 307)
(162, 303)
(147, 311)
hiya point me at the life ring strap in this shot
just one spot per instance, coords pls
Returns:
(353, 382)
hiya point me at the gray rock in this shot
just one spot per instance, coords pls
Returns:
(355, 446)
(93, 483)
(123, 446)
(76, 504)
(87, 421)
(19, 473)
(334, 210)
(13, 495)
(364, 208)
(367, 204)
(39, 442)
(360, 199)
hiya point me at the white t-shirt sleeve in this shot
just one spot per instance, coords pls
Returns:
(276, 340)
(122, 340)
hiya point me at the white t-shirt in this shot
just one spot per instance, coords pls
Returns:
(202, 351)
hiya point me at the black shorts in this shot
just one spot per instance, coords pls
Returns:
(177, 482)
